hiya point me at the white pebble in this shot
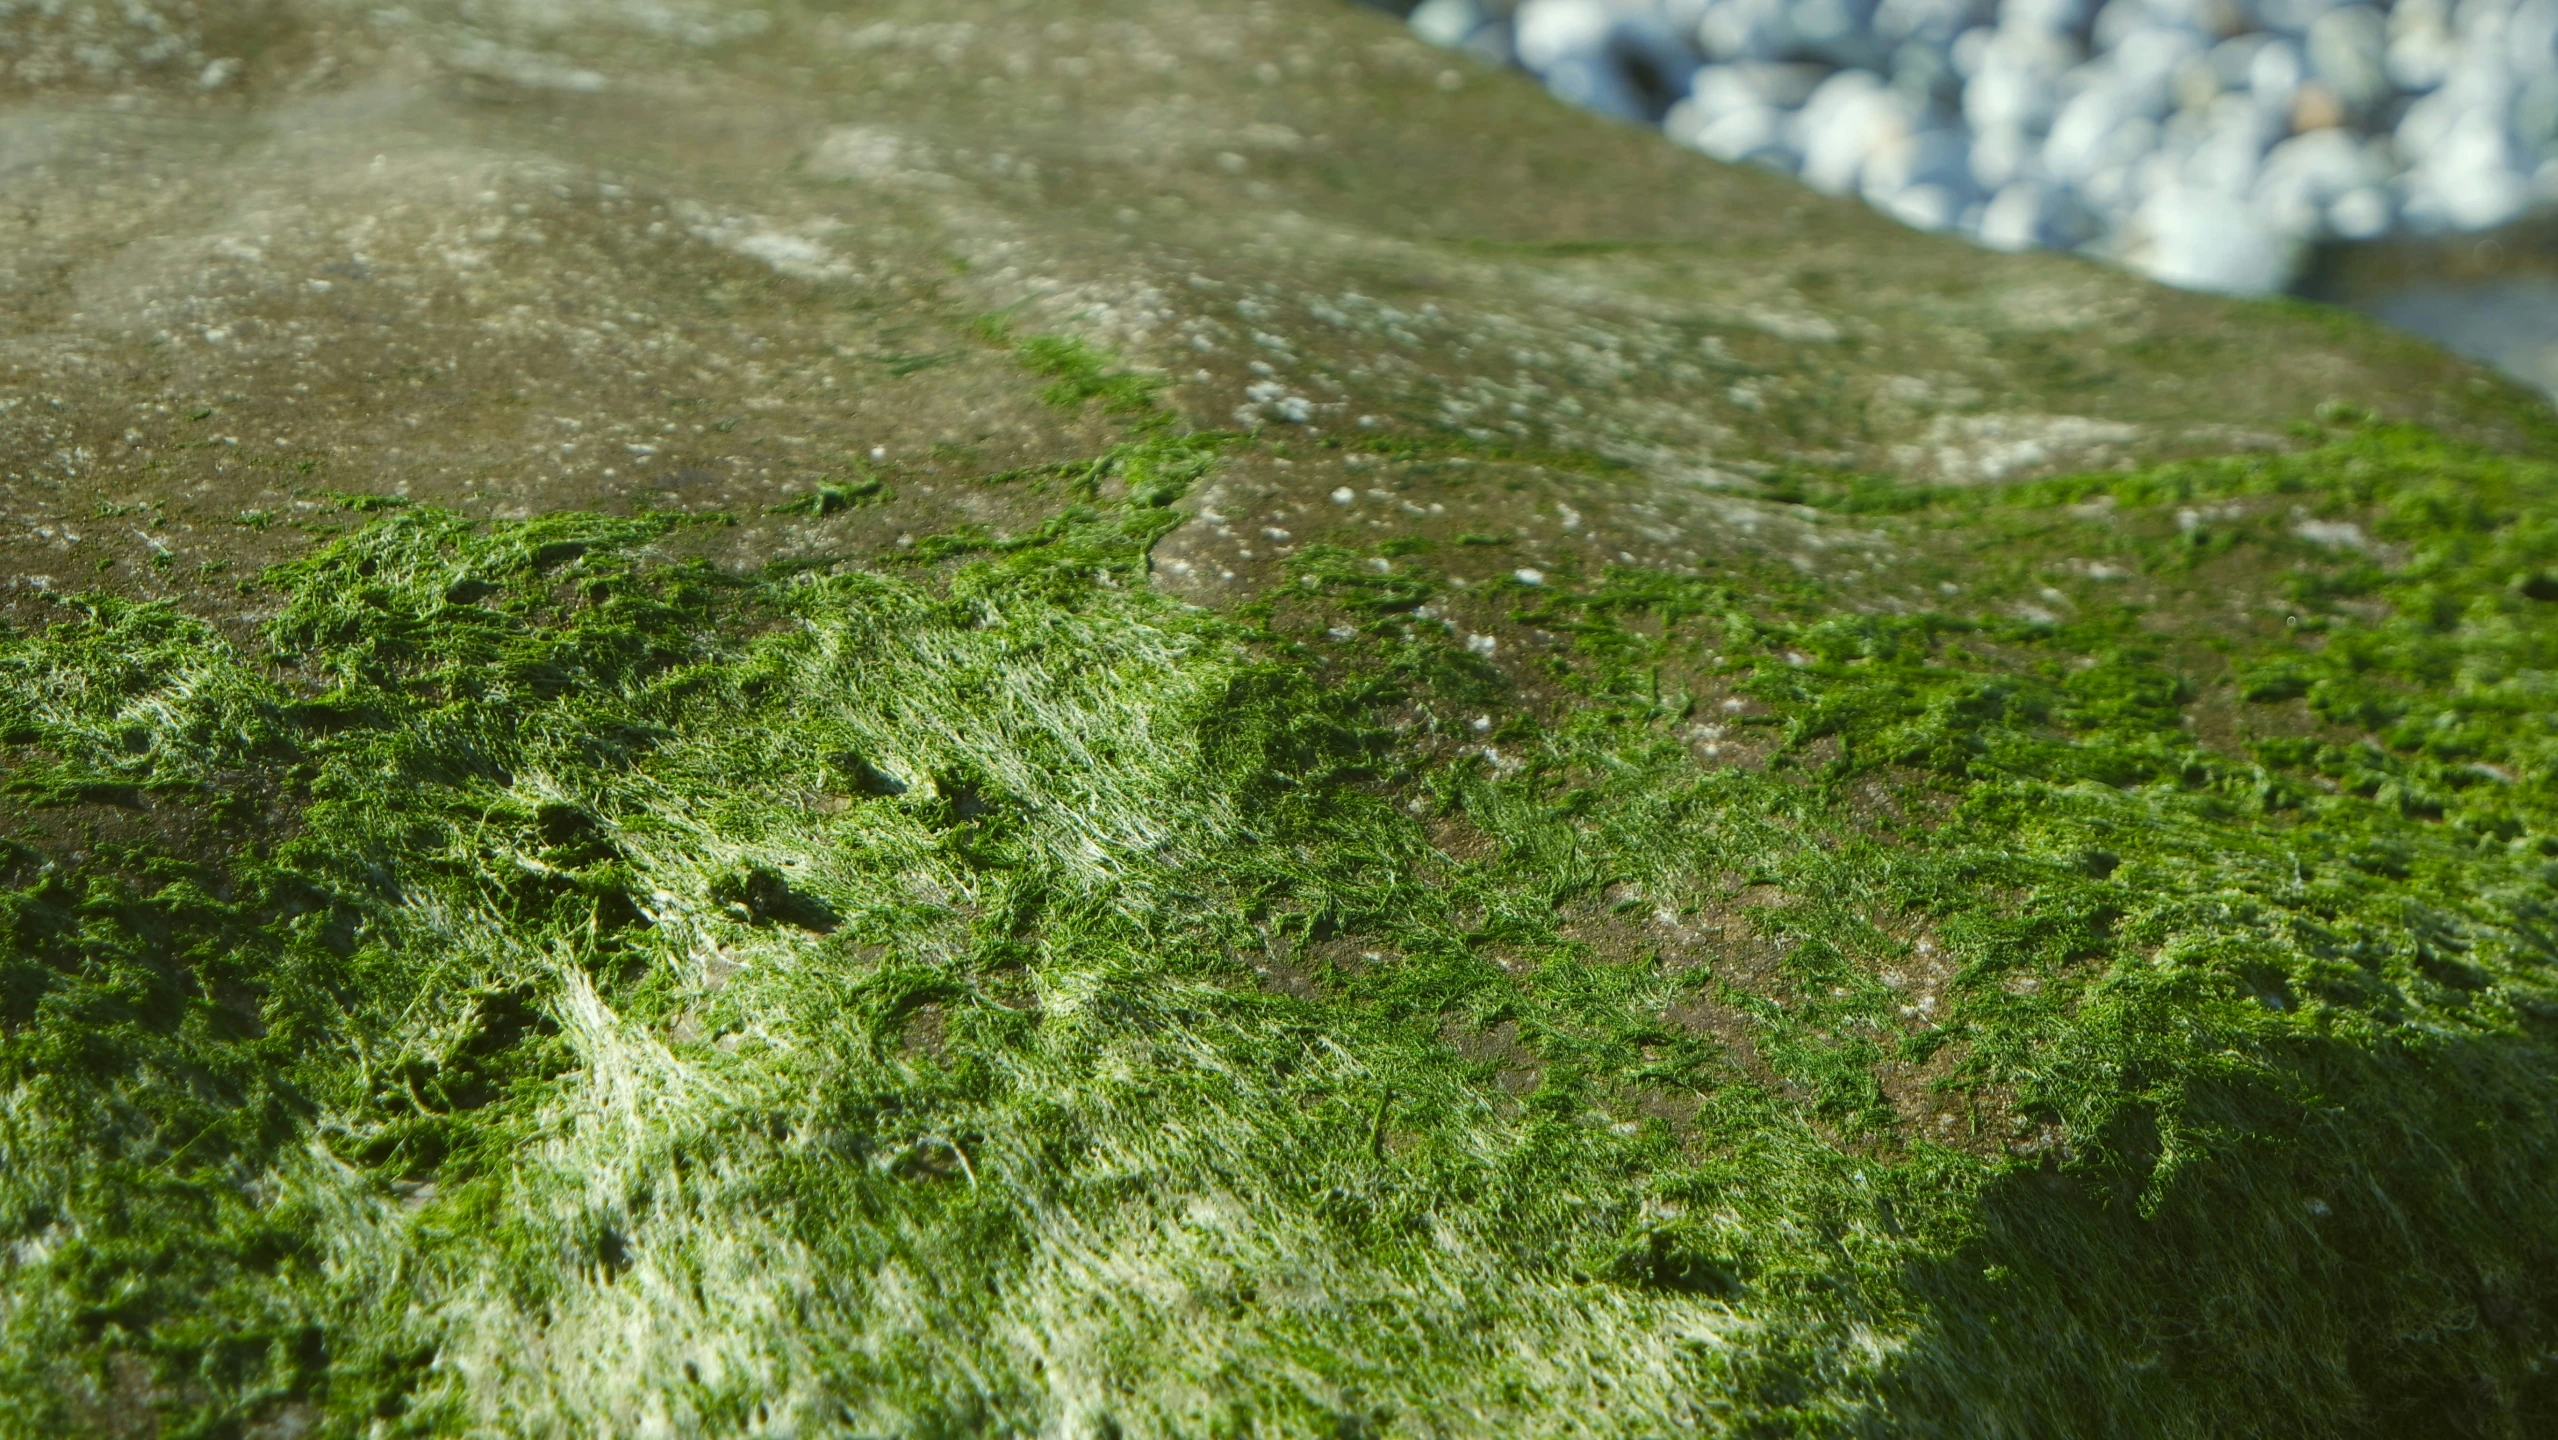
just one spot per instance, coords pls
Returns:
(2206, 142)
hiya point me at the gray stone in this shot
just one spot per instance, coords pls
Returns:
(1747, 30)
(1760, 133)
(1850, 117)
(2274, 76)
(2536, 112)
(2026, 216)
(2531, 38)
(2292, 17)
(2422, 46)
(1924, 207)
(1938, 158)
(2362, 214)
(2018, 81)
(2104, 127)
(1449, 23)
(2304, 178)
(1935, 21)
(2232, 148)
(2470, 179)
(2348, 53)
(1714, 89)
(2005, 155)
(2144, 64)
(1616, 59)
(2207, 240)
(2233, 61)
(2051, 17)
(427, 256)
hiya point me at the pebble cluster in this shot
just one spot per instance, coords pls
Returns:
(2208, 143)
(105, 44)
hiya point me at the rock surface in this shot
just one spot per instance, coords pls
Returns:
(1662, 887)
(515, 258)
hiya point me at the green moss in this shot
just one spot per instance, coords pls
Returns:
(544, 983)
(834, 496)
(1080, 373)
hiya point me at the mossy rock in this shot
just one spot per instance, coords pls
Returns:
(970, 721)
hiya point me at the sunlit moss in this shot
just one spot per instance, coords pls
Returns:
(572, 988)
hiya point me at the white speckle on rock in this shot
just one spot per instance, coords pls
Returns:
(857, 152)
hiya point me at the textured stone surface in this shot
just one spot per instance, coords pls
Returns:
(515, 257)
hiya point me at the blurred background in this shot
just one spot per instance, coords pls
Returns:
(2399, 158)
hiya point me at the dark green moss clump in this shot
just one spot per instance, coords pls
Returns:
(544, 983)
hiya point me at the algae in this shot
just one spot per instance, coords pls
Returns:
(541, 981)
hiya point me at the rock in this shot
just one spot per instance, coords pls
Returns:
(1450, 23)
(2362, 214)
(2207, 240)
(1746, 30)
(2062, 20)
(1614, 59)
(1936, 22)
(1841, 32)
(1937, 158)
(2014, 92)
(2531, 37)
(2025, 216)
(2305, 176)
(1759, 133)
(2233, 61)
(2293, 17)
(2013, 220)
(2144, 64)
(2348, 53)
(2422, 46)
(1924, 207)
(2471, 177)
(1716, 89)
(1847, 120)
(2274, 75)
(2536, 114)
(2005, 155)
(1921, 70)
(2227, 159)
(2315, 107)
(1029, 394)
(2105, 127)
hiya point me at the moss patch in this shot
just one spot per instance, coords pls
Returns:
(543, 982)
